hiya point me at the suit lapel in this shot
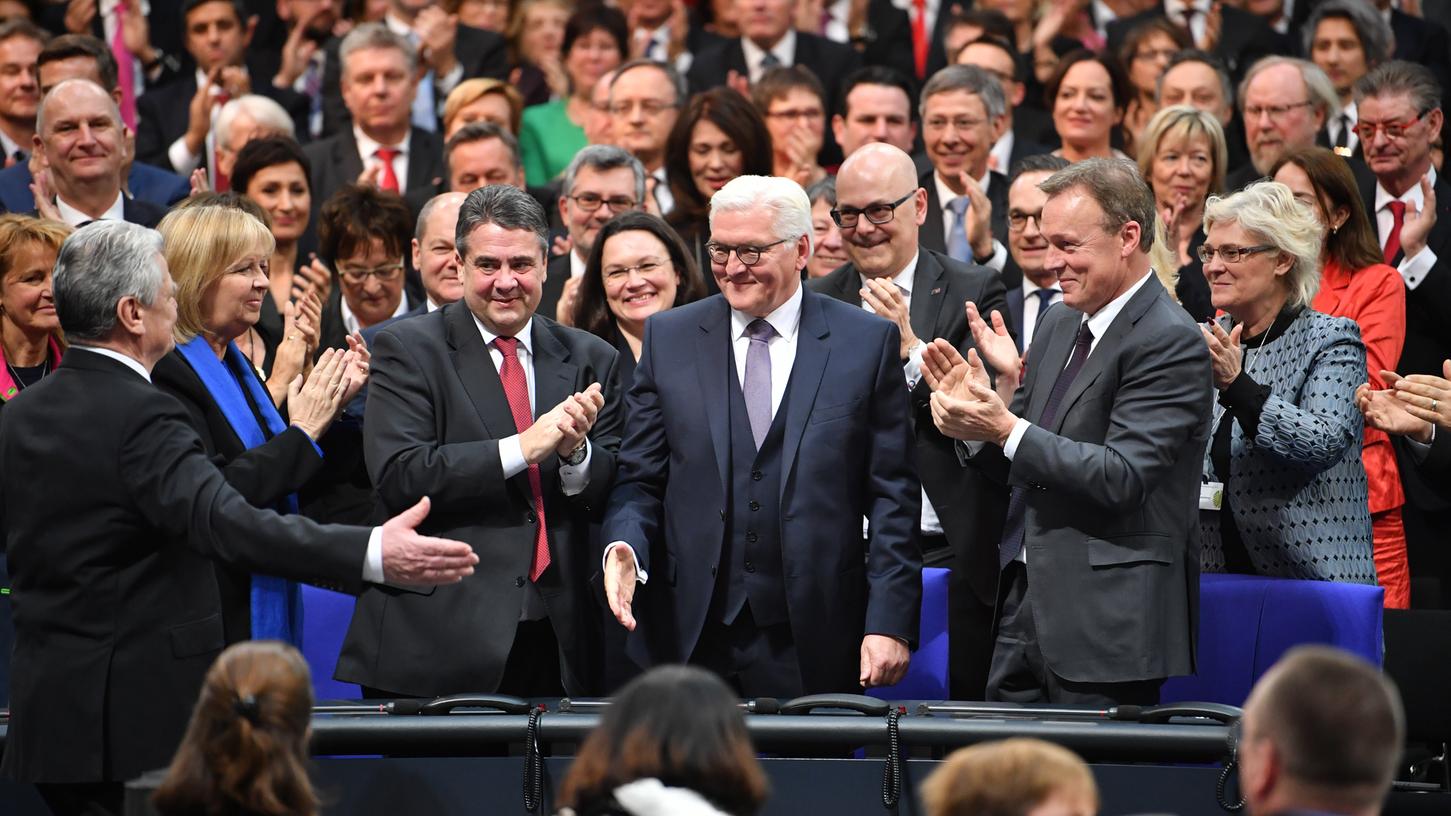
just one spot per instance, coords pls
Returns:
(736, 57)
(476, 371)
(424, 147)
(845, 285)
(927, 294)
(1107, 347)
(554, 374)
(1044, 368)
(346, 159)
(713, 366)
(812, 352)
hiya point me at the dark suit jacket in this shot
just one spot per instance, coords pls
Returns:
(1034, 133)
(482, 53)
(1425, 42)
(940, 287)
(436, 413)
(1244, 37)
(335, 162)
(933, 236)
(145, 183)
(555, 276)
(264, 475)
(135, 211)
(117, 617)
(889, 38)
(162, 115)
(1112, 487)
(847, 453)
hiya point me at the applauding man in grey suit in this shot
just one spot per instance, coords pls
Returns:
(1100, 449)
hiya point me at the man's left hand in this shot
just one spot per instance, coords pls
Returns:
(884, 661)
(980, 417)
(979, 217)
(579, 411)
(886, 300)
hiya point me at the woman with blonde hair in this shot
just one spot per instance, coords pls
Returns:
(218, 256)
(245, 750)
(30, 338)
(482, 99)
(1285, 449)
(1014, 777)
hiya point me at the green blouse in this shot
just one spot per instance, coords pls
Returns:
(548, 141)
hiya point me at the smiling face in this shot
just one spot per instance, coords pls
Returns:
(1182, 168)
(830, 251)
(82, 140)
(503, 277)
(26, 298)
(617, 183)
(19, 89)
(1027, 244)
(1245, 287)
(372, 300)
(282, 190)
(714, 158)
(881, 250)
(1293, 176)
(233, 303)
(759, 289)
(1402, 160)
(1091, 265)
(959, 134)
(639, 279)
(1084, 112)
(434, 256)
(590, 56)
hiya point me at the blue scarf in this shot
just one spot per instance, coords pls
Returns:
(276, 602)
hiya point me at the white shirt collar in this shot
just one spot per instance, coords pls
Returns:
(431, 306)
(1412, 196)
(350, 320)
(784, 49)
(1102, 15)
(785, 320)
(525, 337)
(74, 217)
(367, 148)
(1003, 152)
(1029, 288)
(904, 278)
(1099, 322)
(576, 265)
(1175, 8)
(130, 362)
(9, 146)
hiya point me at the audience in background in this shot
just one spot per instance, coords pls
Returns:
(827, 250)
(1029, 247)
(794, 106)
(482, 100)
(1087, 95)
(536, 48)
(1346, 39)
(602, 182)
(364, 234)
(875, 106)
(1144, 56)
(1285, 102)
(1015, 776)
(1182, 155)
(645, 102)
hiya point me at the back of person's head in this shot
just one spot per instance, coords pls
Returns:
(679, 725)
(1322, 730)
(1010, 778)
(359, 214)
(245, 750)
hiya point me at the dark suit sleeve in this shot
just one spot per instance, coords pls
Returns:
(400, 440)
(151, 144)
(604, 439)
(484, 53)
(1163, 396)
(637, 502)
(894, 504)
(179, 492)
(335, 114)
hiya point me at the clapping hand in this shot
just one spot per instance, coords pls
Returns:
(886, 301)
(1225, 352)
(578, 413)
(1424, 396)
(996, 346)
(1384, 412)
(314, 404)
(1418, 223)
(964, 405)
(979, 217)
(358, 360)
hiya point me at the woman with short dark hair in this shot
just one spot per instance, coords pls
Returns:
(1087, 95)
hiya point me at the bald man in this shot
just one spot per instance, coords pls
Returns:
(80, 136)
(881, 208)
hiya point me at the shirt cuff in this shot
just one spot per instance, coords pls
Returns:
(640, 575)
(373, 564)
(912, 366)
(1420, 450)
(999, 258)
(182, 160)
(1415, 268)
(1015, 437)
(511, 456)
(575, 478)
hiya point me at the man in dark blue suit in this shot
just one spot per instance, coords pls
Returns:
(764, 424)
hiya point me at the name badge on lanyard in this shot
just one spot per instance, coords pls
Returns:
(1211, 495)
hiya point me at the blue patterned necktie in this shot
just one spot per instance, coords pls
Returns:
(758, 378)
(957, 246)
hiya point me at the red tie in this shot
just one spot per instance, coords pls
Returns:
(919, 36)
(516, 388)
(388, 180)
(1398, 218)
(220, 182)
(125, 68)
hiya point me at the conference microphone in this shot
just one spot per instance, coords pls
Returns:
(761, 705)
(404, 706)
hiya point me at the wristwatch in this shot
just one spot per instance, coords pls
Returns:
(576, 456)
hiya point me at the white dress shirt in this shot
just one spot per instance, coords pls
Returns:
(368, 152)
(837, 13)
(945, 195)
(1102, 16)
(1332, 127)
(350, 320)
(663, 196)
(912, 369)
(1174, 10)
(10, 146)
(74, 217)
(1030, 310)
(1413, 269)
(1000, 158)
(929, 13)
(576, 264)
(784, 51)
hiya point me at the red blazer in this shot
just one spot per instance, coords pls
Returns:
(1375, 298)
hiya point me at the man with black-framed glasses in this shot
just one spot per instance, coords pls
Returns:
(1284, 103)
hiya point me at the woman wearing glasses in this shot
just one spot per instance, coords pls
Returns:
(1356, 283)
(364, 233)
(1285, 492)
(638, 267)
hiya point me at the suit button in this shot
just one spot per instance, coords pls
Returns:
(532, 518)
(722, 515)
(518, 580)
(757, 475)
(752, 537)
(750, 567)
(754, 505)
(712, 572)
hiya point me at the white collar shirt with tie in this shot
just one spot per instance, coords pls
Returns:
(368, 152)
(1031, 299)
(1415, 268)
(1345, 120)
(183, 160)
(786, 320)
(945, 195)
(784, 51)
(1174, 10)
(74, 217)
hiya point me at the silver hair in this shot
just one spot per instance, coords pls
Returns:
(969, 78)
(789, 207)
(427, 212)
(826, 188)
(505, 206)
(1119, 189)
(376, 35)
(259, 109)
(1399, 77)
(1268, 210)
(602, 159)
(1374, 33)
(111, 106)
(1318, 86)
(97, 266)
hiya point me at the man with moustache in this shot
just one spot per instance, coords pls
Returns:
(1284, 102)
(894, 275)
(765, 424)
(601, 182)
(1030, 299)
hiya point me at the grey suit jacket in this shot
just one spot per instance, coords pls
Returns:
(1113, 483)
(1297, 489)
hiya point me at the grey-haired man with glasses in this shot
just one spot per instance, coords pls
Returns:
(1285, 103)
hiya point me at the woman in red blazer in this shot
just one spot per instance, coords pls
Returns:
(1356, 283)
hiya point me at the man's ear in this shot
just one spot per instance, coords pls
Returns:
(128, 315)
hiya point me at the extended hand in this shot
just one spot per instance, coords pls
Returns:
(620, 578)
(994, 342)
(1384, 412)
(980, 416)
(947, 371)
(884, 661)
(886, 300)
(313, 274)
(1426, 396)
(44, 198)
(979, 217)
(410, 559)
(1225, 353)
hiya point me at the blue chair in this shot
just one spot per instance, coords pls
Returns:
(927, 675)
(325, 619)
(1247, 622)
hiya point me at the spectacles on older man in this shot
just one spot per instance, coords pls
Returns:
(747, 255)
(1231, 254)
(1393, 130)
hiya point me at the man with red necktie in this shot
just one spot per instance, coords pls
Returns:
(510, 422)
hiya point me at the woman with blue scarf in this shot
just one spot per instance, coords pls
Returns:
(218, 256)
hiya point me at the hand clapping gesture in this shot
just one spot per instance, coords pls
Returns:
(964, 404)
(1225, 353)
